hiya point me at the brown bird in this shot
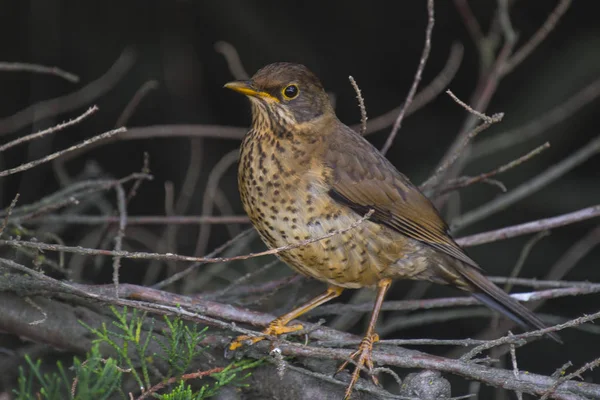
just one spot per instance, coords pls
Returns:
(304, 174)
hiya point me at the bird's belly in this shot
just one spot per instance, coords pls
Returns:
(295, 211)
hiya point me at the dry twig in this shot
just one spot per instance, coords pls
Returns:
(50, 157)
(72, 101)
(525, 189)
(361, 104)
(425, 96)
(56, 128)
(38, 69)
(233, 60)
(468, 181)
(416, 80)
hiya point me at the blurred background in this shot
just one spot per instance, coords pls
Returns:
(169, 49)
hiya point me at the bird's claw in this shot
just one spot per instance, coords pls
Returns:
(361, 357)
(275, 328)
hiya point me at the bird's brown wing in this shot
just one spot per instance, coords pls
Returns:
(364, 179)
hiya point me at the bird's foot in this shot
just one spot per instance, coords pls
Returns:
(276, 327)
(361, 357)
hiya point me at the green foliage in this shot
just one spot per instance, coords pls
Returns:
(95, 379)
(131, 335)
(228, 376)
(182, 346)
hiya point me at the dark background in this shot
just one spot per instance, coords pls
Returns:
(377, 42)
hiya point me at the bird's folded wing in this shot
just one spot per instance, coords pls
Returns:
(364, 179)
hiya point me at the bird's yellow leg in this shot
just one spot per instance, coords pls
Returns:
(362, 356)
(279, 325)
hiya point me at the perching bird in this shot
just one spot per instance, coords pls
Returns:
(304, 174)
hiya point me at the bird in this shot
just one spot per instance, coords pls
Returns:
(303, 174)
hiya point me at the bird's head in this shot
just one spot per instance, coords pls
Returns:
(285, 95)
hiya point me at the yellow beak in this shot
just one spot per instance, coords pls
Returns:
(245, 87)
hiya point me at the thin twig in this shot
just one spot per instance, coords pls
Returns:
(69, 195)
(8, 212)
(50, 130)
(537, 38)
(33, 304)
(233, 59)
(530, 227)
(447, 302)
(504, 19)
(576, 374)
(138, 182)
(416, 80)
(516, 271)
(361, 104)
(513, 358)
(531, 334)
(425, 96)
(122, 207)
(38, 69)
(193, 267)
(135, 101)
(537, 126)
(470, 22)
(525, 189)
(574, 254)
(175, 379)
(470, 109)
(178, 257)
(72, 101)
(50, 157)
(466, 139)
(208, 199)
(141, 219)
(468, 181)
(244, 279)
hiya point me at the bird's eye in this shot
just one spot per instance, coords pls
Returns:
(290, 92)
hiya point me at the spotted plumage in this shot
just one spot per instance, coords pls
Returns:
(303, 174)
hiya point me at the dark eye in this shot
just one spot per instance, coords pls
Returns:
(291, 91)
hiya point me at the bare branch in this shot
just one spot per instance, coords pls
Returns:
(538, 125)
(72, 101)
(8, 213)
(38, 69)
(576, 374)
(466, 139)
(122, 207)
(525, 189)
(361, 104)
(425, 96)
(416, 80)
(178, 257)
(467, 107)
(531, 334)
(537, 38)
(468, 181)
(193, 267)
(530, 227)
(516, 271)
(470, 22)
(48, 131)
(135, 101)
(50, 157)
(447, 302)
(141, 219)
(233, 60)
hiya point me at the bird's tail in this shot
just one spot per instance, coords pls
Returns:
(495, 298)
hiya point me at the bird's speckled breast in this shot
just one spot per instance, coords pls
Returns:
(284, 192)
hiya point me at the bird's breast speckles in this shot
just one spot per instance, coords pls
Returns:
(285, 195)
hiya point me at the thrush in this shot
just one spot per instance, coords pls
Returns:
(303, 174)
